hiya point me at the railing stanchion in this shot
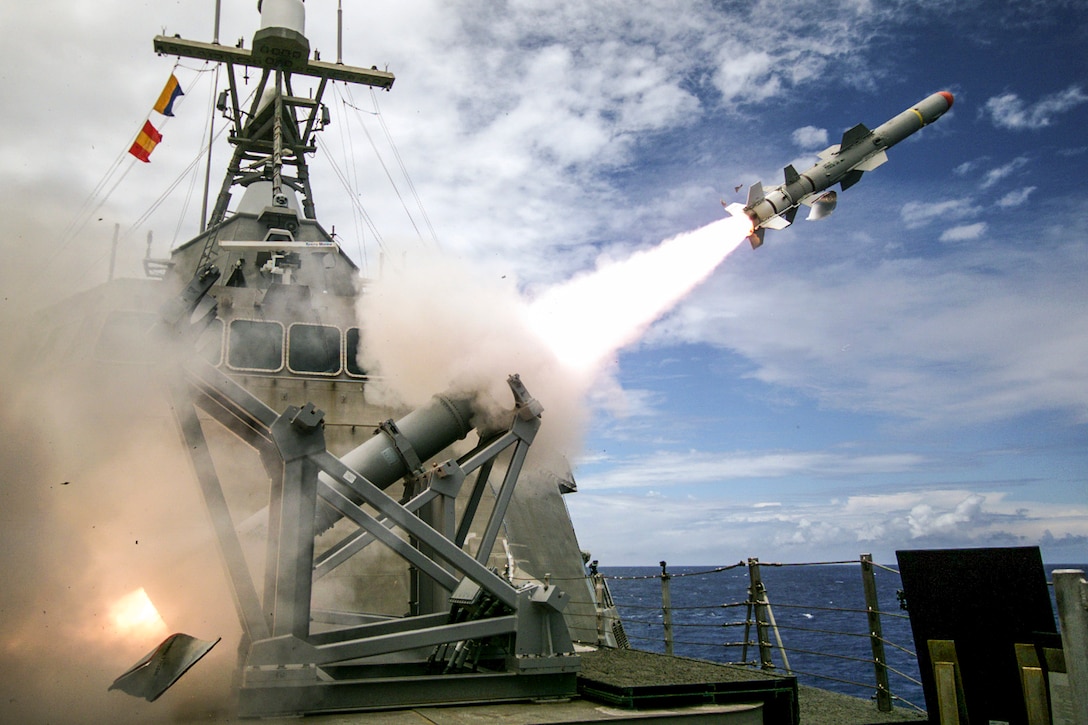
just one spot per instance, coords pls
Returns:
(757, 594)
(666, 608)
(876, 635)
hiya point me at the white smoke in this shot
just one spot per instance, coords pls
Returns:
(438, 323)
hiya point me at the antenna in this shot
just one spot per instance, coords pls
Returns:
(339, 32)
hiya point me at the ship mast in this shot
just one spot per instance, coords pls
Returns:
(271, 138)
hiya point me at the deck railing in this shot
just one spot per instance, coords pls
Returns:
(751, 615)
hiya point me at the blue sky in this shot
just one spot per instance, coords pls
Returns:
(911, 372)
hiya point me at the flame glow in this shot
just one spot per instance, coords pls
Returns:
(134, 615)
(589, 318)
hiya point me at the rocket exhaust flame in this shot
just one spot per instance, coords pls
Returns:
(436, 324)
(586, 320)
(133, 615)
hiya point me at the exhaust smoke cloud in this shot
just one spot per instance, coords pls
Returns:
(102, 526)
(436, 324)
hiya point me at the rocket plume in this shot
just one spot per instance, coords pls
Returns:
(437, 324)
(588, 319)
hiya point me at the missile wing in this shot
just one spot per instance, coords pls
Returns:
(844, 163)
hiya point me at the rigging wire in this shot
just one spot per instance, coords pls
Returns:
(388, 175)
(193, 179)
(403, 167)
(354, 200)
(96, 199)
(350, 103)
(346, 138)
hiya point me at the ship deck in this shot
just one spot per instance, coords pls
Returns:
(629, 686)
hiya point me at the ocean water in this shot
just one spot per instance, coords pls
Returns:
(819, 609)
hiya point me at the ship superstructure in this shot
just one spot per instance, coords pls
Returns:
(377, 557)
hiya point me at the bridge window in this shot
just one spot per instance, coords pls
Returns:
(354, 369)
(255, 345)
(313, 349)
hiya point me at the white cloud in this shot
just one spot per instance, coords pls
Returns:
(925, 520)
(964, 233)
(810, 137)
(965, 168)
(1009, 111)
(705, 467)
(918, 213)
(925, 338)
(1015, 197)
(997, 174)
(622, 528)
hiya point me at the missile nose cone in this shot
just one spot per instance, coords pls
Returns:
(947, 97)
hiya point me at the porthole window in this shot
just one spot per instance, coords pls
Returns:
(313, 349)
(255, 345)
(353, 367)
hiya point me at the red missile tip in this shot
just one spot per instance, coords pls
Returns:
(947, 97)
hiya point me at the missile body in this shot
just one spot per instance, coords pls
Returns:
(861, 150)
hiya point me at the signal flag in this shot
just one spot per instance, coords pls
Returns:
(148, 138)
(170, 93)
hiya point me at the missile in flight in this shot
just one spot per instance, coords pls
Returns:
(843, 163)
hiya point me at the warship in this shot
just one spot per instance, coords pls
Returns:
(391, 563)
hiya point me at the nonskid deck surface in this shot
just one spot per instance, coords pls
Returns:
(660, 687)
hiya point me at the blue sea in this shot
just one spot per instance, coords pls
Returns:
(819, 609)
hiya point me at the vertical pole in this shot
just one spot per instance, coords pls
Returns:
(777, 634)
(876, 635)
(757, 595)
(211, 139)
(598, 600)
(215, 33)
(666, 607)
(1071, 591)
(339, 33)
(747, 630)
(277, 141)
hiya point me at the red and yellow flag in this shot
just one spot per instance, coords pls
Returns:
(145, 142)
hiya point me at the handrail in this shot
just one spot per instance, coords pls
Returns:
(760, 617)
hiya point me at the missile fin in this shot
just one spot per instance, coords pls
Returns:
(878, 159)
(790, 214)
(756, 238)
(734, 209)
(821, 206)
(791, 174)
(779, 221)
(852, 177)
(851, 137)
(828, 152)
(755, 193)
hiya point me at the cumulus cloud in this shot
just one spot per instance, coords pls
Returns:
(997, 174)
(925, 520)
(925, 338)
(919, 213)
(964, 232)
(810, 137)
(1009, 111)
(724, 528)
(702, 467)
(965, 168)
(1015, 198)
